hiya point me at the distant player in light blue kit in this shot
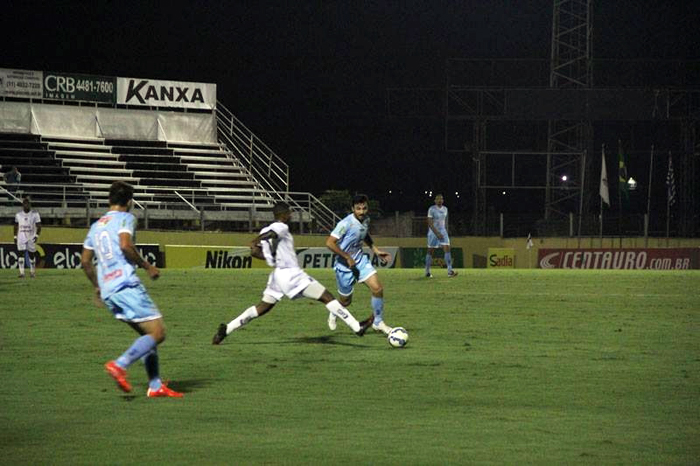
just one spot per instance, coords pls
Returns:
(437, 236)
(352, 266)
(110, 239)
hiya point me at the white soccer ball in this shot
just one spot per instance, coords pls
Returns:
(398, 337)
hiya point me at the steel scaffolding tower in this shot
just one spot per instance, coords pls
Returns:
(567, 141)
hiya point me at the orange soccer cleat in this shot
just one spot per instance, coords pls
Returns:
(163, 391)
(119, 375)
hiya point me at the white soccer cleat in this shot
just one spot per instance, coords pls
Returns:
(382, 327)
(332, 321)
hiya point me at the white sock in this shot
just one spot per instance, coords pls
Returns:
(32, 265)
(21, 265)
(338, 310)
(247, 315)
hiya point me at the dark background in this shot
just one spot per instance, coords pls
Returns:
(311, 78)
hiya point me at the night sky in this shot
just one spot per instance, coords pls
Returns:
(311, 79)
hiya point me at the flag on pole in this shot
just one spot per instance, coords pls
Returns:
(623, 188)
(529, 241)
(604, 193)
(670, 183)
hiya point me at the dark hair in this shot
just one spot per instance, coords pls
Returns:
(280, 208)
(359, 199)
(120, 193)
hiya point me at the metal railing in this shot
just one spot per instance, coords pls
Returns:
(268, 169)
(265, 166)
(322, 219)
(172, 198)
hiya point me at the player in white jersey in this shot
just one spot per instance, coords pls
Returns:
(438, 237)
(111, 241)
(352, 265)
(275, 245)
(27, 231)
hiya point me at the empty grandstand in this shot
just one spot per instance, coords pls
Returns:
(192, 162)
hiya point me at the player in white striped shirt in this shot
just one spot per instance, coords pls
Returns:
(27, 230)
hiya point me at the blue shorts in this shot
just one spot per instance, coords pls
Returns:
(434, 242)
(132, 305)
(345, 279)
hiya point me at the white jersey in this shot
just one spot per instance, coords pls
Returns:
(26, 221)
(285, 256)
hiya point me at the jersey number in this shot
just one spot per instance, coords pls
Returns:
(104, 247)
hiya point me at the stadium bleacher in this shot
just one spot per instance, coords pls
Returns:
(209, 175)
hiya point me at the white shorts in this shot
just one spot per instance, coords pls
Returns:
(290, 282)
(27, 245)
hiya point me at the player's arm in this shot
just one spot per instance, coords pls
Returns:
(432, 226)
(89, 269)
(383, 255)
(15, 230)
(38, 230)
(332, 244)
(133, 256)
(256, 249)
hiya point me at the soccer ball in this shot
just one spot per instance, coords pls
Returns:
(398, 337)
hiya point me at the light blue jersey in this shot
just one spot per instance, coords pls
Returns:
(351, 235)
(114, 272)
(439, 218)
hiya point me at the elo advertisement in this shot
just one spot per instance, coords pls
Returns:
(67, 255)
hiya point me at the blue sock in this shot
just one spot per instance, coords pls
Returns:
(378, 307)
(428, 263)
(150, 360)
(141, 346)
(448, 261)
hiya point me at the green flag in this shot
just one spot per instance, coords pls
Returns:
(623, 187)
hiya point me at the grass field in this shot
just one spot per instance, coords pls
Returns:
(502, 367)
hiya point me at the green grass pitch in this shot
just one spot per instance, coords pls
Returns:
(502, 367)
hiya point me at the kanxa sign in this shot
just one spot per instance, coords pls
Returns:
(633, 258)
(154, 93)
(66, 255)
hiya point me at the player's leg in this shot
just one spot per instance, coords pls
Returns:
(21, 252)
(135, 307)
(429, 262)
(345, 281)
(318, 292)
(433, 243)
(253, 312)
(271, 295)
(156, 388)
(377, 291)
(448, 260)
(31, 252)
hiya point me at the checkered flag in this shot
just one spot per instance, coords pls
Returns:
(670, 183)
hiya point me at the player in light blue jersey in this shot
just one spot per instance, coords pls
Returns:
(352, 266)
(438, 237)
(110, 240)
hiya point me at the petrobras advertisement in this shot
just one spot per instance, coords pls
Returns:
(322, 258)
(628, 259)
(66, 255)
(25, 84)
(156, 93)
